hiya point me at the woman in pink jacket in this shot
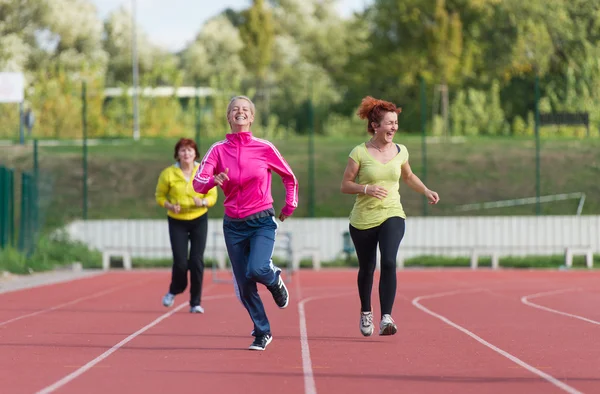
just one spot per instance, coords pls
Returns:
(241, 165)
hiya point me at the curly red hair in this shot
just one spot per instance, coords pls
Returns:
(374, 110)
(186, 143)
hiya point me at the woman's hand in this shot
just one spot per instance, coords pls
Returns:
(222, 177)
(376, 191)
(175, 208)
(199, 202)
(282, 216)
(432, 196)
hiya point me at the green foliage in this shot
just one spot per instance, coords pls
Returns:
(553, 261)
(479, 112)
(258, 34)
(12, 260)
(283, 53)
(51, 252)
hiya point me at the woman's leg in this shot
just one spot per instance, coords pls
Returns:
(391, 233)
(262, 243)
(365, 243)
(178, 234)
(237, 239)
(260, 263)
(198, 229)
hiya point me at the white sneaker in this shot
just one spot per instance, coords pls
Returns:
(168, 299)
(366, 323)
(196, 309)
(387, 326)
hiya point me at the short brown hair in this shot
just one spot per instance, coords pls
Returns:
(186, 143)
(374, 110)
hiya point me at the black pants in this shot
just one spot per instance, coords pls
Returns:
(388, 235)
(180, 232)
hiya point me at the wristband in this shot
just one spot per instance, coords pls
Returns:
(365, 191)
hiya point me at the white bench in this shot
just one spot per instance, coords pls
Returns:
(573, 251)
(493, 253)
(314, 254)
(116, 252)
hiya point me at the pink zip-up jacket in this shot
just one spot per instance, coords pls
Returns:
(250, 161)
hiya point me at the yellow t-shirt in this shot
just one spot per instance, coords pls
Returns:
(173, 187)
(369, 212)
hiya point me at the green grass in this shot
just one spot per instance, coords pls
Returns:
(51, 252)
(122, 175)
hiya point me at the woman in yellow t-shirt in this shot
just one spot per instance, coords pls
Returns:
(373, 172)
(188, 221)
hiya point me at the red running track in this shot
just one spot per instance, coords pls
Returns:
(459, 331)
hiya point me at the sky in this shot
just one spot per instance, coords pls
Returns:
(171, 24)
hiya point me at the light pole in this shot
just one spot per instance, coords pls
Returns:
(134, 61)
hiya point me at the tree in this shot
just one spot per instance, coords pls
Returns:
(216, 50)
(20, 21)
(118, 45)
(257, 34)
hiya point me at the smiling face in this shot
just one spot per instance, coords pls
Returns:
(186, 155)
(240, 115)
(386, 129)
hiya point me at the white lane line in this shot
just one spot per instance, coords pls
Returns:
(73, 375)
(525, 300)
(95, 295)
(543, 375)
(309, 379)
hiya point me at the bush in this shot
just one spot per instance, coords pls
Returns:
(51, 252)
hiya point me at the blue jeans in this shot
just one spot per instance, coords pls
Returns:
(250, 246)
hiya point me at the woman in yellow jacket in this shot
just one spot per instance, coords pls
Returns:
(188, 221)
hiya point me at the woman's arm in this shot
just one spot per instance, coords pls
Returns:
(204, 179)
(413, 181)
(211, 197)
(162, 189)
(349, 186)
(278, 164)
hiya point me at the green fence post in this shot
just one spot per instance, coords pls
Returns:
(85, 150)
(311, 159)
(32, 217)
(21, 128)
(197, 115)
(424, 141)
(36, 183)
(10, 230)
(24, 218)
(3, 206)
(538, 207)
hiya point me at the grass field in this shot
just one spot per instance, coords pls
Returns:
(122, 175)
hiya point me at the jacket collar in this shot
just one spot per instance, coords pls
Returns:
(244, 137)
(178, 164)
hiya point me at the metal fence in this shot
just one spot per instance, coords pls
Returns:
(548, 165)
(20, 216)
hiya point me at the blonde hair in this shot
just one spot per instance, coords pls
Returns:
(230, 105)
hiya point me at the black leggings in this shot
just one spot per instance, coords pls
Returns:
(388, 235)
(182, 233)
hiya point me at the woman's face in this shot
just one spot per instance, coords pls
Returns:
(186, 154)
(387, 127)
(240, 114)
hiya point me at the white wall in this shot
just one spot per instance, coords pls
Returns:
(424, 235)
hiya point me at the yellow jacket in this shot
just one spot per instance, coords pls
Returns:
(173, 187)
